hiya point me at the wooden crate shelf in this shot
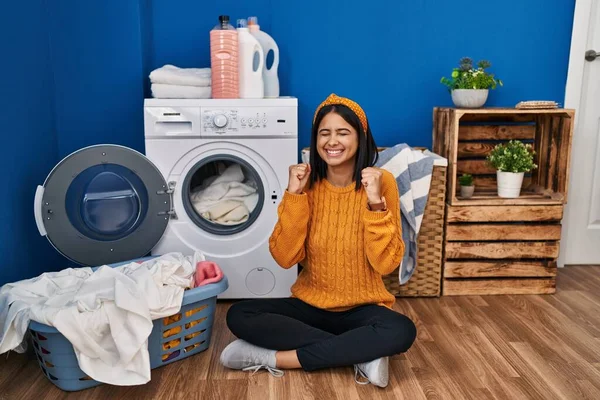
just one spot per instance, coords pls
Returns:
(500, 269)
(465, 137)
(494, 245)
(503, 232)
(506, 249)
(483, 287)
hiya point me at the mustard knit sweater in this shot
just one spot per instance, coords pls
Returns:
(344, 247)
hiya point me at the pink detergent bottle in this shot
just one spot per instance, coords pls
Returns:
(224, 60)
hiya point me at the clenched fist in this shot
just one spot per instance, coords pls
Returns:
(371, 180)
(299, 175)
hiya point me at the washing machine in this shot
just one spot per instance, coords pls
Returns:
(211, 179)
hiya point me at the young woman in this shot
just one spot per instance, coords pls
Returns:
(339, 218)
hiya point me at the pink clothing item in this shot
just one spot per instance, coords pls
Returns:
(207, 272)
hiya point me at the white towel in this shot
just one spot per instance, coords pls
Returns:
(227, 200)
(162, 91)
(172, 75)
(227, 212)
(106, 314)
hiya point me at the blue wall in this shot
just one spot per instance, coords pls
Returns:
(97, 64)
(387, 55)
(78, 73)
(76, 79)
(30, 144)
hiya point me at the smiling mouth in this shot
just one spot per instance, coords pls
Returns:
(334, 153)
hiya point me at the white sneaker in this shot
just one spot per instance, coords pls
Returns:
(376, 372)
(242, 355)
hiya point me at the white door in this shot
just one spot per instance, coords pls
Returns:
(581, 222)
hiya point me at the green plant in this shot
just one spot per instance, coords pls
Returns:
(514, 156)
(468, 77)
(466, 180)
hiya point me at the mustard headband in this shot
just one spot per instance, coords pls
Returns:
(335, 99)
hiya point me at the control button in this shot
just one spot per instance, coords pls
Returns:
(220, 120)
(260, 281)
(251, 121)
(243, 120)
(264, 120)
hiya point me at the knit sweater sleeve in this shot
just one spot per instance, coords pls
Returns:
(384, 246)
(287, 242)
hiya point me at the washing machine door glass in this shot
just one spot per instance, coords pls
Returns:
(104, 204)
(223, 194)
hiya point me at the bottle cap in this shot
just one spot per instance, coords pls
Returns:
(241, 23)
(252, 21)
(224, 19)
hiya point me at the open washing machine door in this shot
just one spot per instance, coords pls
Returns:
(103, 204)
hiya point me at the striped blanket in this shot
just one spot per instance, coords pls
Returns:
(412, 170)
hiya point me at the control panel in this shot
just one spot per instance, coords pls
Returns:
(249, 121)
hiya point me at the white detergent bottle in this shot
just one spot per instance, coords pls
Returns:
(268, 44)
(251, 62)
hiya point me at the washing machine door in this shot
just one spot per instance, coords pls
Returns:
(103, 204)
(251, 190)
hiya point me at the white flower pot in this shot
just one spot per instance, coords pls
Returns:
(467, 191)
(469, 98)
(509, 184)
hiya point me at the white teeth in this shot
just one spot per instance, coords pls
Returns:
(334, 151)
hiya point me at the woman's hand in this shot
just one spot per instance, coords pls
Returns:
(371, 180)
(299, 174)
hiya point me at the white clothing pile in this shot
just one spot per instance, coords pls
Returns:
(105, 313)
(226, 198)
(171, 82)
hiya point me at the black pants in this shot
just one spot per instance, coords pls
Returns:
(322, 338)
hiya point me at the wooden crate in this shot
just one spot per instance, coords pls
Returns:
(494, 245)
(506, 249)
(466, 136)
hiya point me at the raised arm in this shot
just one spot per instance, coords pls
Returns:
(383, 232)
(288, 238)
(287, 241)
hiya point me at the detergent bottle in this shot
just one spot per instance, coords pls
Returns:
(224, 50)
(271, 81)
(251, 61)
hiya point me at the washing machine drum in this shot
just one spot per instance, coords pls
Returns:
(103, 204)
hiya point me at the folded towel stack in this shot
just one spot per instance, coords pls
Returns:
(171, 82)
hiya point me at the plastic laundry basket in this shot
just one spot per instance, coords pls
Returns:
(172, 339)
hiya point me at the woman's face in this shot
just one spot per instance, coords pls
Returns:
(337, 140)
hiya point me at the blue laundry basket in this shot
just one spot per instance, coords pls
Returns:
(172, 339)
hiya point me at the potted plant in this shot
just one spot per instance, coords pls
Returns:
(469, 86)
(466, 185)
(511, 160)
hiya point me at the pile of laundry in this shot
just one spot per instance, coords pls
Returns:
(106, 313)
(227, 198)
(171, 82)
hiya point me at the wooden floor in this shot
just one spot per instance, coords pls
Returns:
(494, 347)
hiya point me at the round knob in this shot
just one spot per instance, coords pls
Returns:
(591, 55)
(220, 120)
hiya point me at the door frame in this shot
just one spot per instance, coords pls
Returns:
(574, 87)
(581, 24)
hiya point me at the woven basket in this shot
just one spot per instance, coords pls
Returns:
(426, 280)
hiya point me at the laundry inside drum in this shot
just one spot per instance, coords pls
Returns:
(224, 192)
